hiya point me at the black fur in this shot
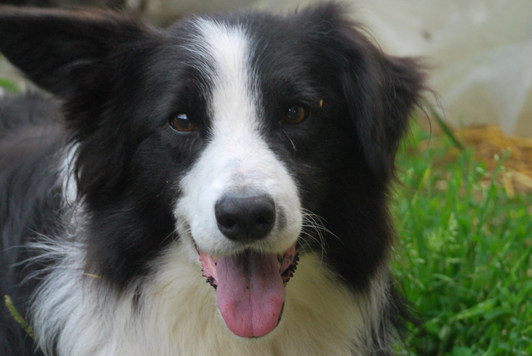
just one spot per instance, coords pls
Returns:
(119, 82)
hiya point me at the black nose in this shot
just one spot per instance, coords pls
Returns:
(245, 218)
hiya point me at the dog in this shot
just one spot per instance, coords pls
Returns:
(215, 188)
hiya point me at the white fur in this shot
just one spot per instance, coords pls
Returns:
(66, 173)
(237, 159)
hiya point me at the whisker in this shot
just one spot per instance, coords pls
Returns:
(314, 229)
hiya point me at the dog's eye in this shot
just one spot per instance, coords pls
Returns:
(296, 114)
(181, 122)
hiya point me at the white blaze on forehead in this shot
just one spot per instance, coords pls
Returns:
(236, 160)
(234, 99)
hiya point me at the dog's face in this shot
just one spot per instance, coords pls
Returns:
(228, 134)
(238, 193)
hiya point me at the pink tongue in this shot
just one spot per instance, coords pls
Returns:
(250, 293)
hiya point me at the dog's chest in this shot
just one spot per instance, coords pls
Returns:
(178, 316)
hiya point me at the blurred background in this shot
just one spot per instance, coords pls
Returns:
(464, 205)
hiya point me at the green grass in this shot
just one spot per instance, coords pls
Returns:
(8, 84)
(464, 253)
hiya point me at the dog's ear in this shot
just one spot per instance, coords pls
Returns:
(381, 92)
(61, 50)
(91, 60)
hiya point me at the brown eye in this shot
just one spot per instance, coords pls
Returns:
(181, 122)
(296, 114)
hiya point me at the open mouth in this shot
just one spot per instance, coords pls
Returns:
(249, 288)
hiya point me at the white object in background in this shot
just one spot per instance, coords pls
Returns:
(480, 50)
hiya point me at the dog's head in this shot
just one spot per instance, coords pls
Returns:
(227, 132)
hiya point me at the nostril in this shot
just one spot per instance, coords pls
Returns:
(245, 218)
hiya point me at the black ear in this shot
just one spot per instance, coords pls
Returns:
(61, 50)
(381, 92)
(92, 60)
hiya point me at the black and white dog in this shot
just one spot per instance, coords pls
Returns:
(228, 149)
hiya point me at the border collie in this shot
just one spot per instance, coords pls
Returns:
(225, 149)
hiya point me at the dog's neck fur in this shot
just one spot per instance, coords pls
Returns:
(175, 313)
